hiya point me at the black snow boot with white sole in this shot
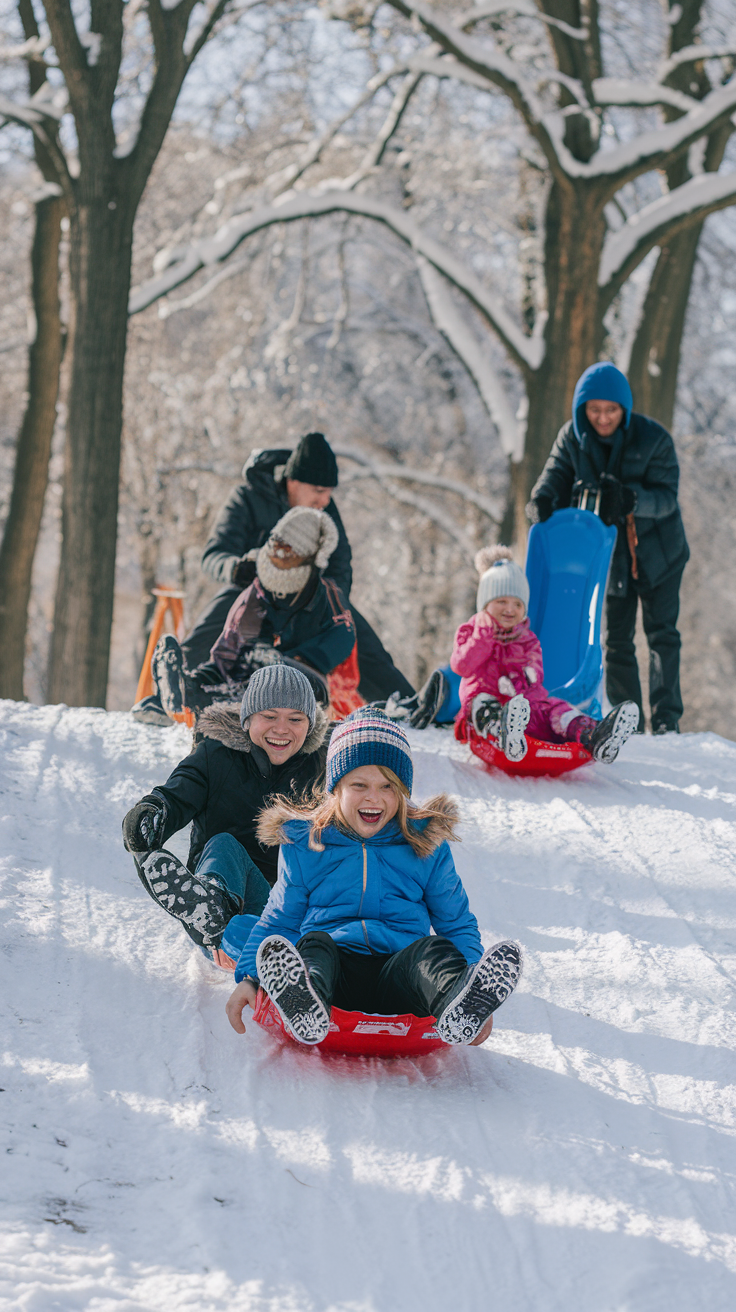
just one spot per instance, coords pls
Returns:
(512, 726)
(485, 714)
(202, 905)
(167, 668)
(284, 977)
(609, 735)
(480, 992)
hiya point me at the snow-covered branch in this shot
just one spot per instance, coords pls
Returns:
(623, 91)
(694, 54)
(526, 352)
(384, 474)
(651, 149)
(524, 9)
(410, 475)
(681, 208)
(475, 359)
(481, 57)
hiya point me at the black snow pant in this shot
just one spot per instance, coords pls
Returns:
(415, 980)
(659, 610)
(379, 677)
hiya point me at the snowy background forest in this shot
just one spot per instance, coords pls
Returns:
(325, 323)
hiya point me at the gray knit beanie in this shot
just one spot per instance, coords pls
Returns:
(500, 576)
(276, 687)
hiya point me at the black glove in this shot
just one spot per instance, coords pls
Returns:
(143, 826)
(244, 572)
(429, 700)
(617, 500)
(539, 509)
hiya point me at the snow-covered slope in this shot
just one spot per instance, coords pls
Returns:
(582, 1160)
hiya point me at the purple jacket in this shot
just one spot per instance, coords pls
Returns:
(483, 652)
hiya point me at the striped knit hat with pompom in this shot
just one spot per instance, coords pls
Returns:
(500, 576)
(368, 737)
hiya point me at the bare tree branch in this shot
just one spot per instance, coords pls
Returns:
(488, 507)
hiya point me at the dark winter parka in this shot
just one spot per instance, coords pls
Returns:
(642, 456)
(227, 781)
(314, 625)
(252, 510)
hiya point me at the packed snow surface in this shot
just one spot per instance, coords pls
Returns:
(583, 1159)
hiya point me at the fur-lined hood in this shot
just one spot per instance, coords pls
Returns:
(431, 831)
(222, 722)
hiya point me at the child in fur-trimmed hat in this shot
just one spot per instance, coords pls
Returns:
(500, 661)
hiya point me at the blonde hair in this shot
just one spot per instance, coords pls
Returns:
(323, 809)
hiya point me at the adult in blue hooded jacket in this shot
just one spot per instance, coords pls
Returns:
(631, 461)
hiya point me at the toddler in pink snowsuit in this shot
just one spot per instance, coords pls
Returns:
(500, 660)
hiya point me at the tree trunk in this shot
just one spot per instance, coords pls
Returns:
(575, 230)
(100, 260)
(34, 448)
(655, 355)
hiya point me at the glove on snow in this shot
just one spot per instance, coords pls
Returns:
(540, 509)
(143, 826)
(506, 687)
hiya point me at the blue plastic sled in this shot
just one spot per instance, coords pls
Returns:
(567, 564)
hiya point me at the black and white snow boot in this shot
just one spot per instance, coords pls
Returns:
(480, 992)
(485, 714)
(512, 726)
(167, 667)
(285, 978)
(605, 741)
(201, 903)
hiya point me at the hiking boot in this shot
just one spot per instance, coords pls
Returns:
(201, 903)
(167, 667)
(479, 992)
(284, 977)
(608, 737)
(511, 730)
(485, 714)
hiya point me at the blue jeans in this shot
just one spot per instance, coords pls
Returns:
(226, 860)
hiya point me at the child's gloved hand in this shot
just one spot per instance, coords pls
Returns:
(530, 673)
(506, 687)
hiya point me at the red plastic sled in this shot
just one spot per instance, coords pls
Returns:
(541, 758)
(361, 1035)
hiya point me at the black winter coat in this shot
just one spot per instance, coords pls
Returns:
(314, 625)
(227, 781)
(643, 457)
(252, 510)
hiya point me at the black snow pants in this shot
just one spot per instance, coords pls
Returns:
(659, 610)
(415, 980)
(379, 677)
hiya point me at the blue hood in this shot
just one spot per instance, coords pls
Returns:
(601, 382)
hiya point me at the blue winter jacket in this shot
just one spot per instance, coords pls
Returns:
(374, 895)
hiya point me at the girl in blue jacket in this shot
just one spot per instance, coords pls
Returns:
(364, 874)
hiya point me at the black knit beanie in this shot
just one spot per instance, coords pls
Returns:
(312, 461)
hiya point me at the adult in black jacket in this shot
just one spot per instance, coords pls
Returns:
(273, 744)
(275, 481)
(630, 461)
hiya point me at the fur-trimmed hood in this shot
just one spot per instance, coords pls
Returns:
(222, 722)
(431, 831)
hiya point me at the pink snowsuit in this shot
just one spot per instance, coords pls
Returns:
(483, 653)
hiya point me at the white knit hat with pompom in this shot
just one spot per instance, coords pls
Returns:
(500, 576)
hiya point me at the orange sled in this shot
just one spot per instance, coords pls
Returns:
(541, 758)
(360, 1035)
